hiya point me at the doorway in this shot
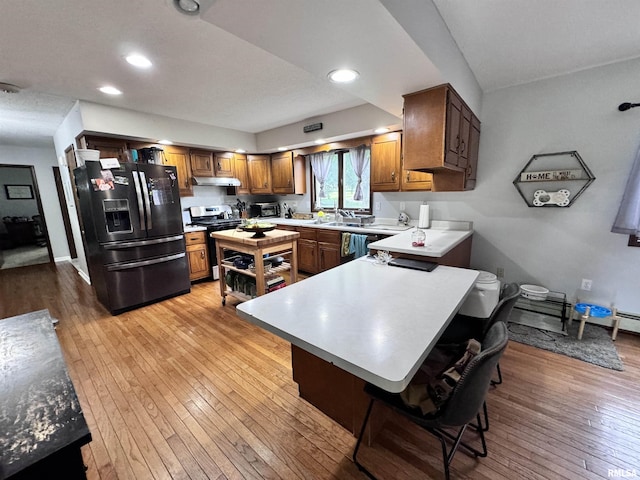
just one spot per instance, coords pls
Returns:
(24, 239)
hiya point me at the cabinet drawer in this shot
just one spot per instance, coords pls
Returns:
(193, 238)
(307, 233)
(329, 236)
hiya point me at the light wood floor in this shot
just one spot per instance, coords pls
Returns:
(185, 389)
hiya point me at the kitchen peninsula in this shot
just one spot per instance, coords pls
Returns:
(360, 322)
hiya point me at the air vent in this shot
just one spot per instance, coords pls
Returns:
(312, 128)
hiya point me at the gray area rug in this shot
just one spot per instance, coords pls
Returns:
(595, 347)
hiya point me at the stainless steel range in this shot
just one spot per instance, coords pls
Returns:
(215, 218)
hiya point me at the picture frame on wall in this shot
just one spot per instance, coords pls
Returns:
(19, 192)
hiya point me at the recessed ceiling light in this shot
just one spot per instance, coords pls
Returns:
(165, 142)
(139, 61)
(381, 130)
(344, 75)
(319, 141)
(110, 90)
(240, 150)
(282, 149)
(188, 7)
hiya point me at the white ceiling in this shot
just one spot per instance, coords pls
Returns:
(254, 65)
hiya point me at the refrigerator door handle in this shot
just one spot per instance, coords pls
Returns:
(141, 243)
(144, 263)
(136, 183)
(147, 200)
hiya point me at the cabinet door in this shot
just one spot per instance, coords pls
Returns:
(223, 164)
(179, 158)
(198, 261)
(465, 137)
(307, 258)
(415, 181)
(259, 168)
(282, 173)
(241, 172)
(454, 141)
(109, 147)
(201, 163)
(424, 128)
(328, 256)
(385, 162)
(474, 146)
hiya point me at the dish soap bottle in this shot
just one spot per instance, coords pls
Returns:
(418, 238)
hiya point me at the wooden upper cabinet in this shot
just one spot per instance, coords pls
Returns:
(201, 163)
(109, 147)
(223, 164)
(288, 173)
(441, 135)
(241, 172)
(179, 157)
(413, 180)
(259, 169)
(385, 162)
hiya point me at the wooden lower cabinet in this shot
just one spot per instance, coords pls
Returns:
(329, 245)
(337, 393)
(197, 255)
(318, 249)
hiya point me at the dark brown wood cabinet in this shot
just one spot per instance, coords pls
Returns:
(259, 169)
(386, 161)
(201, 163)
(109, 147)
(307, 250)
(441, 136)
(288, 173)
(223, 164)
(329, 245)
(241, 172)
(197, 254)
(179, 158)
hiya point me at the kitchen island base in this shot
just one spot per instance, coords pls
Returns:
(338, 394)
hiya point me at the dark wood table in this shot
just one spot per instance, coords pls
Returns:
(41, 423)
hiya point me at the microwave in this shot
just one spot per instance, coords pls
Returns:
(270, 209)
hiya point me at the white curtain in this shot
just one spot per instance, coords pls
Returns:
(628, 219)
(359, 160)
(320, 163)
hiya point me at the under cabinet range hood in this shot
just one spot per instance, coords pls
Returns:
(216, 181)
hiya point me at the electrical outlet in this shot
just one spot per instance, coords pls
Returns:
(500, 272)
(377, 206)
(402, 206)
(586, 284)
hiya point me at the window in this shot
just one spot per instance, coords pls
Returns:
(340, 185)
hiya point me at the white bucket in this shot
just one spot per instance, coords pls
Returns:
(484, 296)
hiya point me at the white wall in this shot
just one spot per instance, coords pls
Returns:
(16, 207)
(43, 160)
(554, 247)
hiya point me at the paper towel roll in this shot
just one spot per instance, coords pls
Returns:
(423, 220)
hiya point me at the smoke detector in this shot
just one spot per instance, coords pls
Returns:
(8, 88)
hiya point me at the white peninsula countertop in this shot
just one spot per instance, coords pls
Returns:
(437, 244)
(376, 322)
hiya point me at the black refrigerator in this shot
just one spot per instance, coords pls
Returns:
(133, 232)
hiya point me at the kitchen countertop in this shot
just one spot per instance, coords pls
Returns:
(375, 321)
(437, 244)
(194, 228)
(381, 227)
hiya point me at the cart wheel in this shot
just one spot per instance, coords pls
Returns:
(224, 301)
